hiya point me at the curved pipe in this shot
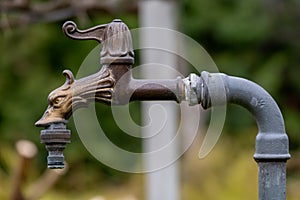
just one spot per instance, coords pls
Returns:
(271, 141)
(253, 97)
(272, 147)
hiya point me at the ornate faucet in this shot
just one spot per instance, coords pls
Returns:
(113, 84)
(116, 59)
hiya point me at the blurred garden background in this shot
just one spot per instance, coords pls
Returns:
(256, 39)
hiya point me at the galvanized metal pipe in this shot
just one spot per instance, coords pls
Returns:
(272, 148)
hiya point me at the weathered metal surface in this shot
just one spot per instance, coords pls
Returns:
(272, 140)
(272, 180)
(75, 94)
(272, 146)
(96, 33)
(115, 38)
(114, 84)
(167, 89)
(55, 137)
(193, 88)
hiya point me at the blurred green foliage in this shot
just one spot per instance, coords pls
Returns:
(258, 40)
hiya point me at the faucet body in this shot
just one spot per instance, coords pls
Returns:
(113, 84)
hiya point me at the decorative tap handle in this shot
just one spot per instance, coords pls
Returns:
(95, 33)
(115, 38)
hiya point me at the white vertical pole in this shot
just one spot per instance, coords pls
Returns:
(162, 184)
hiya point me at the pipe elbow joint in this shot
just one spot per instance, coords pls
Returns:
(219, 89)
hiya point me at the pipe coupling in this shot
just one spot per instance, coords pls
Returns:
(193, 89)
(271, 147)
